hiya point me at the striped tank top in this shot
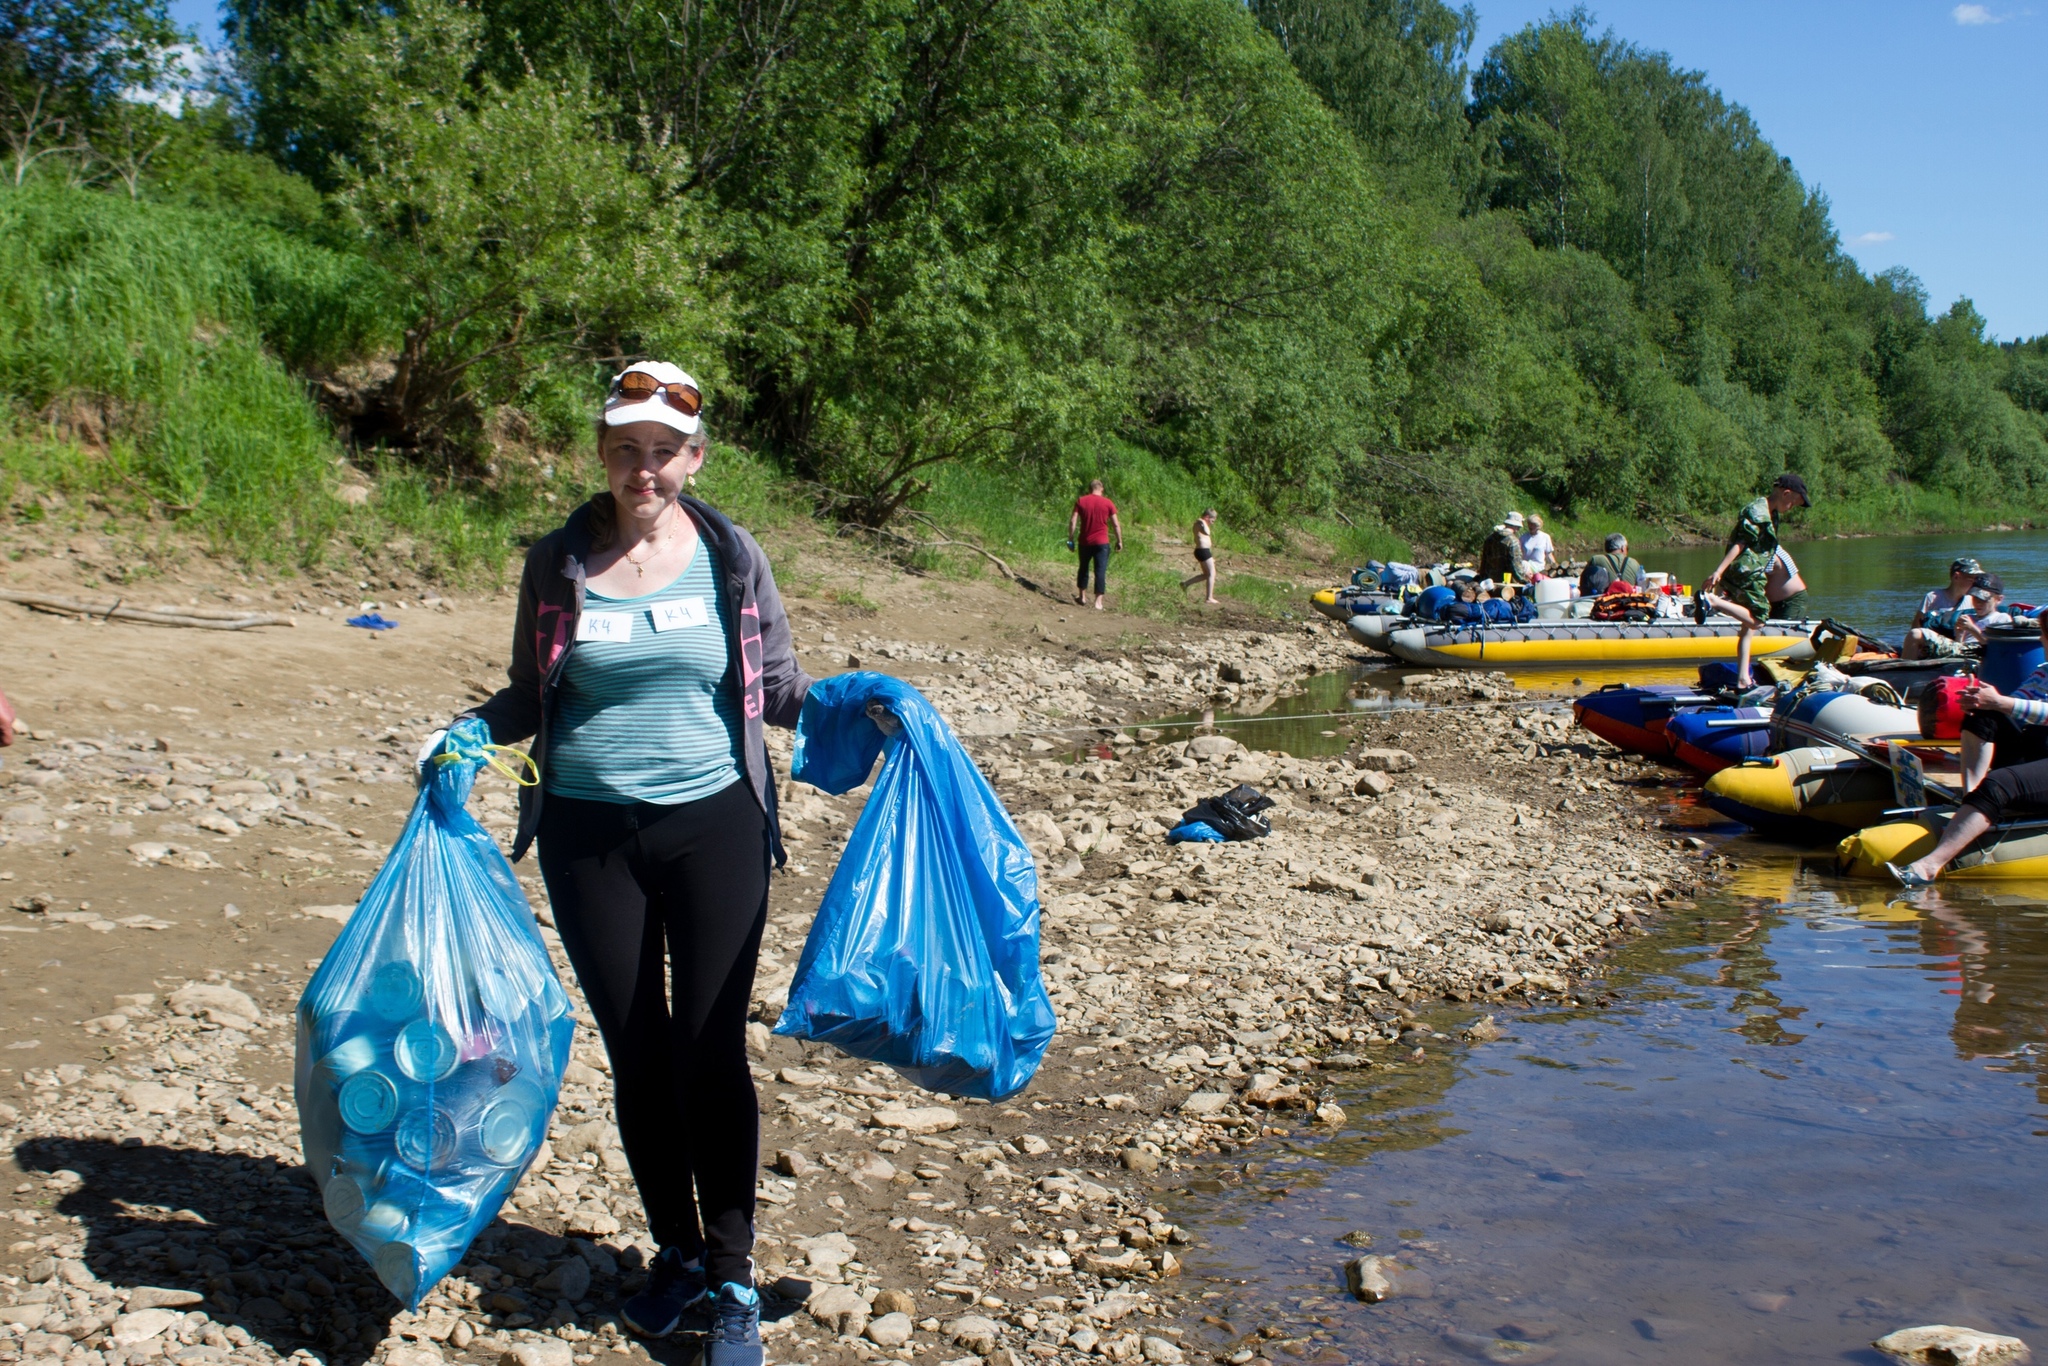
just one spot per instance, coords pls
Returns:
(647, 710)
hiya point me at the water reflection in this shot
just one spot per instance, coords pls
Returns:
(1812, 1115)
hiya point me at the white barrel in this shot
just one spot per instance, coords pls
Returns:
(1553, 599)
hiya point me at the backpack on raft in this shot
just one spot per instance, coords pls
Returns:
(1432, 602)
(1506, 611)
(1621, 602)
(1941, 707)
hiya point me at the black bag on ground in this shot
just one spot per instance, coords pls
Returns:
(1235, 814)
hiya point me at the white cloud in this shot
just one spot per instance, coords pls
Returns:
(1869, 239)
(1972, 15)
(189, 80)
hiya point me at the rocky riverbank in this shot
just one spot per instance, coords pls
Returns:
(176, 866)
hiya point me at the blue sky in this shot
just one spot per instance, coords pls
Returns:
(1920, 120)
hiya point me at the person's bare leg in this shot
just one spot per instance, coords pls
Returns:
(1912, 649)
(1209, 573)
(1098, 602)
(1964, 827)
(1746, 621)
(1977, 756)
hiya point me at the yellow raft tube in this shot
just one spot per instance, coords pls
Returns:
(1810, 794)
(2018, 849)
(1567, 644)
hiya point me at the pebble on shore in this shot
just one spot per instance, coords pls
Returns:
(1209, 995)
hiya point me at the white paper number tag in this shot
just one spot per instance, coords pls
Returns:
(611, 626)
(681, 612)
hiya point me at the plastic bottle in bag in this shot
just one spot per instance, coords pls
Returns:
(431, 1042)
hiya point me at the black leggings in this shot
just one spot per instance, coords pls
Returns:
(1097, 555)
(2019, 766)
(636, 888)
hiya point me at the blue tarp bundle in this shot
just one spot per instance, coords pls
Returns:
(431, 1041)
(924, 952)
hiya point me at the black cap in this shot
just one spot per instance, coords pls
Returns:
(1987, 583)
(1796, 485)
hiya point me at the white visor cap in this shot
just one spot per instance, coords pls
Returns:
(618, 410)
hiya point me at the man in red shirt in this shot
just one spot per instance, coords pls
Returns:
(1088, 531)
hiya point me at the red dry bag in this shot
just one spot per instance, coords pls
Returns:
(1941, 707)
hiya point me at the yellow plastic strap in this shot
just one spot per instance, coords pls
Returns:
(527, 775)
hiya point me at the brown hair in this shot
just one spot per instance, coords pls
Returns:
(601, 513)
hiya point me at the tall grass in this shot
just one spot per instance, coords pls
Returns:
(140, 350)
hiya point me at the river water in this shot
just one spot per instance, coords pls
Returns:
(1809, 1116)
(1805, 1113)
(1876, 582)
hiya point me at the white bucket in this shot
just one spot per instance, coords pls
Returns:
(1654, 581)
(1553, 599)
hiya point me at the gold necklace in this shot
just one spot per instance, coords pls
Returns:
(639, 566)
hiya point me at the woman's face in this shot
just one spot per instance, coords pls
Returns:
(647, 464)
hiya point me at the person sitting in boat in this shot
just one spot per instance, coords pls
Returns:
(1539, 552)
(1501, 556)
(2005, 766)
(1612, 565)
(1962, 572)
(1784, 589)
(1743, 576)
(1954, 631)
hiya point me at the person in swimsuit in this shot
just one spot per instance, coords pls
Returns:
(1205, 555)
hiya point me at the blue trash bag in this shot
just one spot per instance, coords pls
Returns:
(1195, 832)
(431, 1041)
(924, 952)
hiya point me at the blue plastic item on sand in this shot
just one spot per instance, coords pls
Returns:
(431, 1041)
(924, 952)
(372, 621)
(1195, 832)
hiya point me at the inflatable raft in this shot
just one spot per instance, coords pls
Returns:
(1842, 718)
(1373, 631)
(1711, 738)
(2018, 849)
(1565, 644)
(1342, 604)
(1634, 717)
(1803, 796)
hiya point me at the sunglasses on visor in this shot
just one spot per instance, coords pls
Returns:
(637, 386)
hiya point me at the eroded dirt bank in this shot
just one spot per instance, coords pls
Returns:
(197, 809)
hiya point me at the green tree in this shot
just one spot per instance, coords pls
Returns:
(65, 69)
(516, 235)
(1394, 71)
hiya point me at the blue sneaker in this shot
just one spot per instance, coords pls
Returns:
(674, 1297)
(736, 1335)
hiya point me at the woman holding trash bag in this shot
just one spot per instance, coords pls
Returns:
(649, 650)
